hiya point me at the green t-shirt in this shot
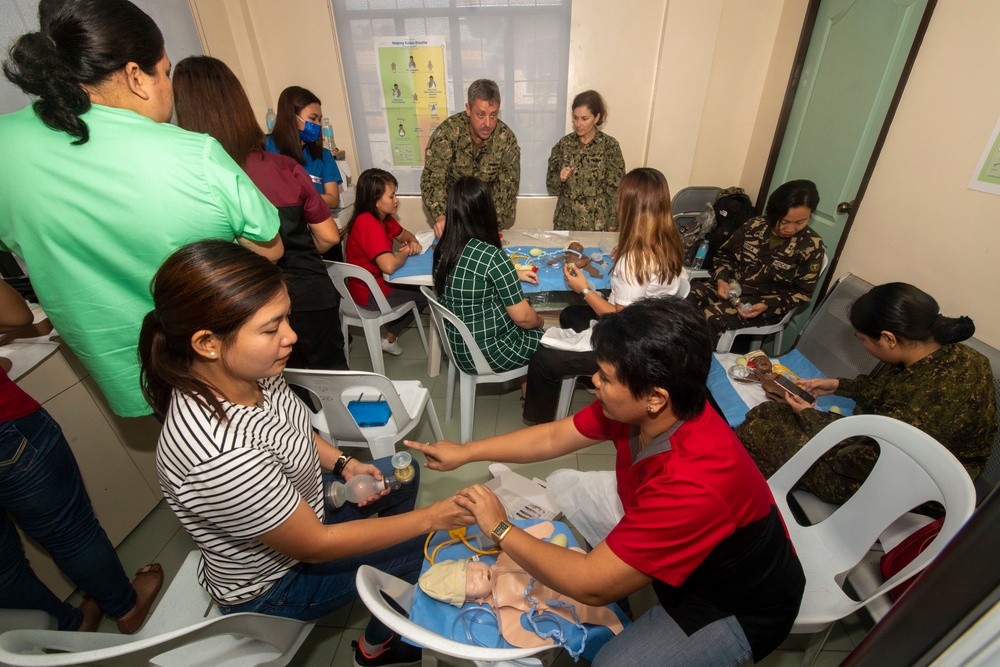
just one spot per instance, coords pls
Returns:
(94, 222)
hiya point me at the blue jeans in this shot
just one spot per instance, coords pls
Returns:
(309, 591)
(41, 488)
(656, 639)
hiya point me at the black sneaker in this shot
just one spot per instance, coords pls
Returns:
(393, 653)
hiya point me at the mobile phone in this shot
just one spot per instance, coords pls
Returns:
(793, 388)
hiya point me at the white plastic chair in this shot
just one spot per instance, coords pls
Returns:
(568, 385)
(912, 468)
(758, 333)
(469, 381)
(407, 399)
(371, 321)
(185, 630)
(371, 583)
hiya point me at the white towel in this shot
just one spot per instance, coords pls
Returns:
(425, 239)
(567, 339)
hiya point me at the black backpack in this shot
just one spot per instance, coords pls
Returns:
(732, 208)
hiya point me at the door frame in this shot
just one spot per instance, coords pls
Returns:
(805, 37)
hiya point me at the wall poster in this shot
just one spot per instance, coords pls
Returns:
(413, 84)
(987, 175)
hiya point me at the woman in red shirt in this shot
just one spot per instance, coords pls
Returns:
(371, 234)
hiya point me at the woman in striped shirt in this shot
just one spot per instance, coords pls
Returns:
(240, 465)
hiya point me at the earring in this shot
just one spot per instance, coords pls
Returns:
(649, 409)
(211, 354)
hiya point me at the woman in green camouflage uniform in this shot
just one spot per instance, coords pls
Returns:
(585, 168)
(942, 388)
(776, 259)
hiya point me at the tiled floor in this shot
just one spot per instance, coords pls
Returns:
(161, 539)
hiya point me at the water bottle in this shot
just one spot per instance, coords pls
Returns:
(328, 142)
(699, 257)
(270, 119)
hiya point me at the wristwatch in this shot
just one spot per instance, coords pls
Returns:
(500, 531)
(338, 467)
(584, 292)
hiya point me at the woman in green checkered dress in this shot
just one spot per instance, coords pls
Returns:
(476, 280)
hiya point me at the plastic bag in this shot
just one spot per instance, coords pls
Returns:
(589, 500)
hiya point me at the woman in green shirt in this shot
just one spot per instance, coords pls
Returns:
(476, 280)
(585, 168)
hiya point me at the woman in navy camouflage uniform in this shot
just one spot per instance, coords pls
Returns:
(476, 280)
(585, 168)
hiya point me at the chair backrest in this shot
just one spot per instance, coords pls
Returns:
(325, 397)
(340, 272)
(693, 199)
(372, 584)
(989, 476)
(912, 468)
(828, 338)
(445, 319)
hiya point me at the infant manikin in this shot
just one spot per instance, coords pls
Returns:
(512, 593)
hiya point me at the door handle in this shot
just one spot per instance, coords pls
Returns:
(845, 207)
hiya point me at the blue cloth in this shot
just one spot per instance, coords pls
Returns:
(735, 408)
(444, 619)
(321, 171)
(550, 278)
(309, 591)
(41, 488)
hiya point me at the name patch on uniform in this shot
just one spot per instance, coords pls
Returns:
(782, 266)
(316, 179)
(751, 248)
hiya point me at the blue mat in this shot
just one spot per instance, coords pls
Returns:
(735, 408)
(550, 278)
(445, 620)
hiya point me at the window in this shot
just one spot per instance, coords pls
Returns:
(523, 45)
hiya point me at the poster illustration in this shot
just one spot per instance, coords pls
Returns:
(987, 175)
(412, 80)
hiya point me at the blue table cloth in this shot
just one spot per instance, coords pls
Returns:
(735, 404)
(550, 277)
(445, 620)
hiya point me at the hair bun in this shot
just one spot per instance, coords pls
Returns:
(953, 329)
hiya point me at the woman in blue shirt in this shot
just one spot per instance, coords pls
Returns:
(298, 133)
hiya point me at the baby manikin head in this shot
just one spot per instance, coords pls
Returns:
(457, 581)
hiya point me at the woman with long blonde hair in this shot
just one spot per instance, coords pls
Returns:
(650, 263)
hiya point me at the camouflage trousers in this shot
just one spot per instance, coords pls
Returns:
(722, 316)
(772, 435)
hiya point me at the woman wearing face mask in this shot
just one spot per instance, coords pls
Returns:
(298, 134)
